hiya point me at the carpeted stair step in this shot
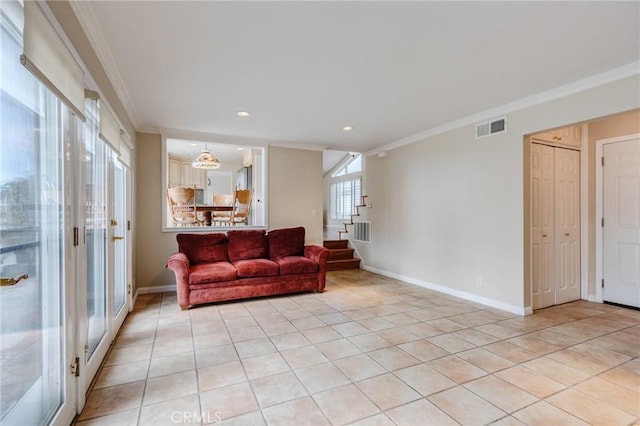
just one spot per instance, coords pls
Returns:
(336, 244)
(341, 254)
(344, 264)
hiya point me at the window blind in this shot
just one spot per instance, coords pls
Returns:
(344, 197)
(47, 57)
(109, 128)
(125, 152)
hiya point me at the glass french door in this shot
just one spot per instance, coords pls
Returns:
(118, 236)
(102, 294)
(36, 260)
(64, 251)
(95, 230)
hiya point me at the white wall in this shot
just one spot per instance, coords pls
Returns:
(295, 188)
(449, 209)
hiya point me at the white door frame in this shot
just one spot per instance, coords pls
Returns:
(599, 209)
(584, 213)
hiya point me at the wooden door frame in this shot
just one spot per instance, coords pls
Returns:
(599, 229)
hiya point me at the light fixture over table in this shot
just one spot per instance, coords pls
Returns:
(206, 161)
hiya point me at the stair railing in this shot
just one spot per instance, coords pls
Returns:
(357, 213)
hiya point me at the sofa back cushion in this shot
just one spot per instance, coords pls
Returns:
(250, 244)
(286, 242)
(203, 248)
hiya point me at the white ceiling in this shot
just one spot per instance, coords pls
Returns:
(306, 69)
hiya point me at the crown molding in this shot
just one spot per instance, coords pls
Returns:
(91, 27)
(606, 77)
(219, 138)
(208, 137)
(307, 147)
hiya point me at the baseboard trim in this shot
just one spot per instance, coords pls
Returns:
(517, 310)
(155, 289)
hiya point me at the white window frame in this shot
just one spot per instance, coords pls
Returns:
(337, 176)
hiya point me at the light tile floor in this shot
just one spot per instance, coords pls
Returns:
(370, 350)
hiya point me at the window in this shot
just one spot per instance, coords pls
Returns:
(346, 187)
(345, 196)
(352, 165)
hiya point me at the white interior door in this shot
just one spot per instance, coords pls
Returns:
(621, 231)
(542, 229)
(567, 225)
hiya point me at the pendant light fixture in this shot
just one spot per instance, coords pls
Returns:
(206, 161)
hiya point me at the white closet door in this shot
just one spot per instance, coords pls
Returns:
(567, 225)
(621, 204)
(555, 225)
(542, 219)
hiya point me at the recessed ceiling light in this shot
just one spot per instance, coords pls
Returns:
(347, 128)
(243, 114)
(193, 144)
(240, 148)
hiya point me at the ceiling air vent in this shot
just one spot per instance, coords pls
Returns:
(491, 127)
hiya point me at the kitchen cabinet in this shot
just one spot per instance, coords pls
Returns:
(181, 173)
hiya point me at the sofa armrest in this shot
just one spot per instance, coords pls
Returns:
(320, 255)
(317, 254)
(179, 264)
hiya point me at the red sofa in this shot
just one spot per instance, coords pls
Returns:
(241, 264)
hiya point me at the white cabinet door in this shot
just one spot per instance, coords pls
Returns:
(175, 173)
(621, 233)
(187, 175)
(568, 136)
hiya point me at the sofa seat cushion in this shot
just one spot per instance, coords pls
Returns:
(212, 273)
(256, 268)
(286, 242)
(247, 244)
(297, 265)
(203, 248)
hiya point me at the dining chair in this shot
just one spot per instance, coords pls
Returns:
(222, 218)
(242, 206)
(182, 205)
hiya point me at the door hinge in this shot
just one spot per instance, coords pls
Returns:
(602, 283)
(75, 367)
(602, 222)
(75, 236)
(128, 225)
(602, 161)
(128, 288)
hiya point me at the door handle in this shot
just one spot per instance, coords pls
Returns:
(5, 282)
(567, 234)
(544, 235)
(114, 238)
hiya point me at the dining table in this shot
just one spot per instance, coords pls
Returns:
(208, 209)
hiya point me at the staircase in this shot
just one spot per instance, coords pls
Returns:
(363, 203)
(340, 256)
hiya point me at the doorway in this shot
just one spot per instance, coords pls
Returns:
(618, 207)
(555, 225)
